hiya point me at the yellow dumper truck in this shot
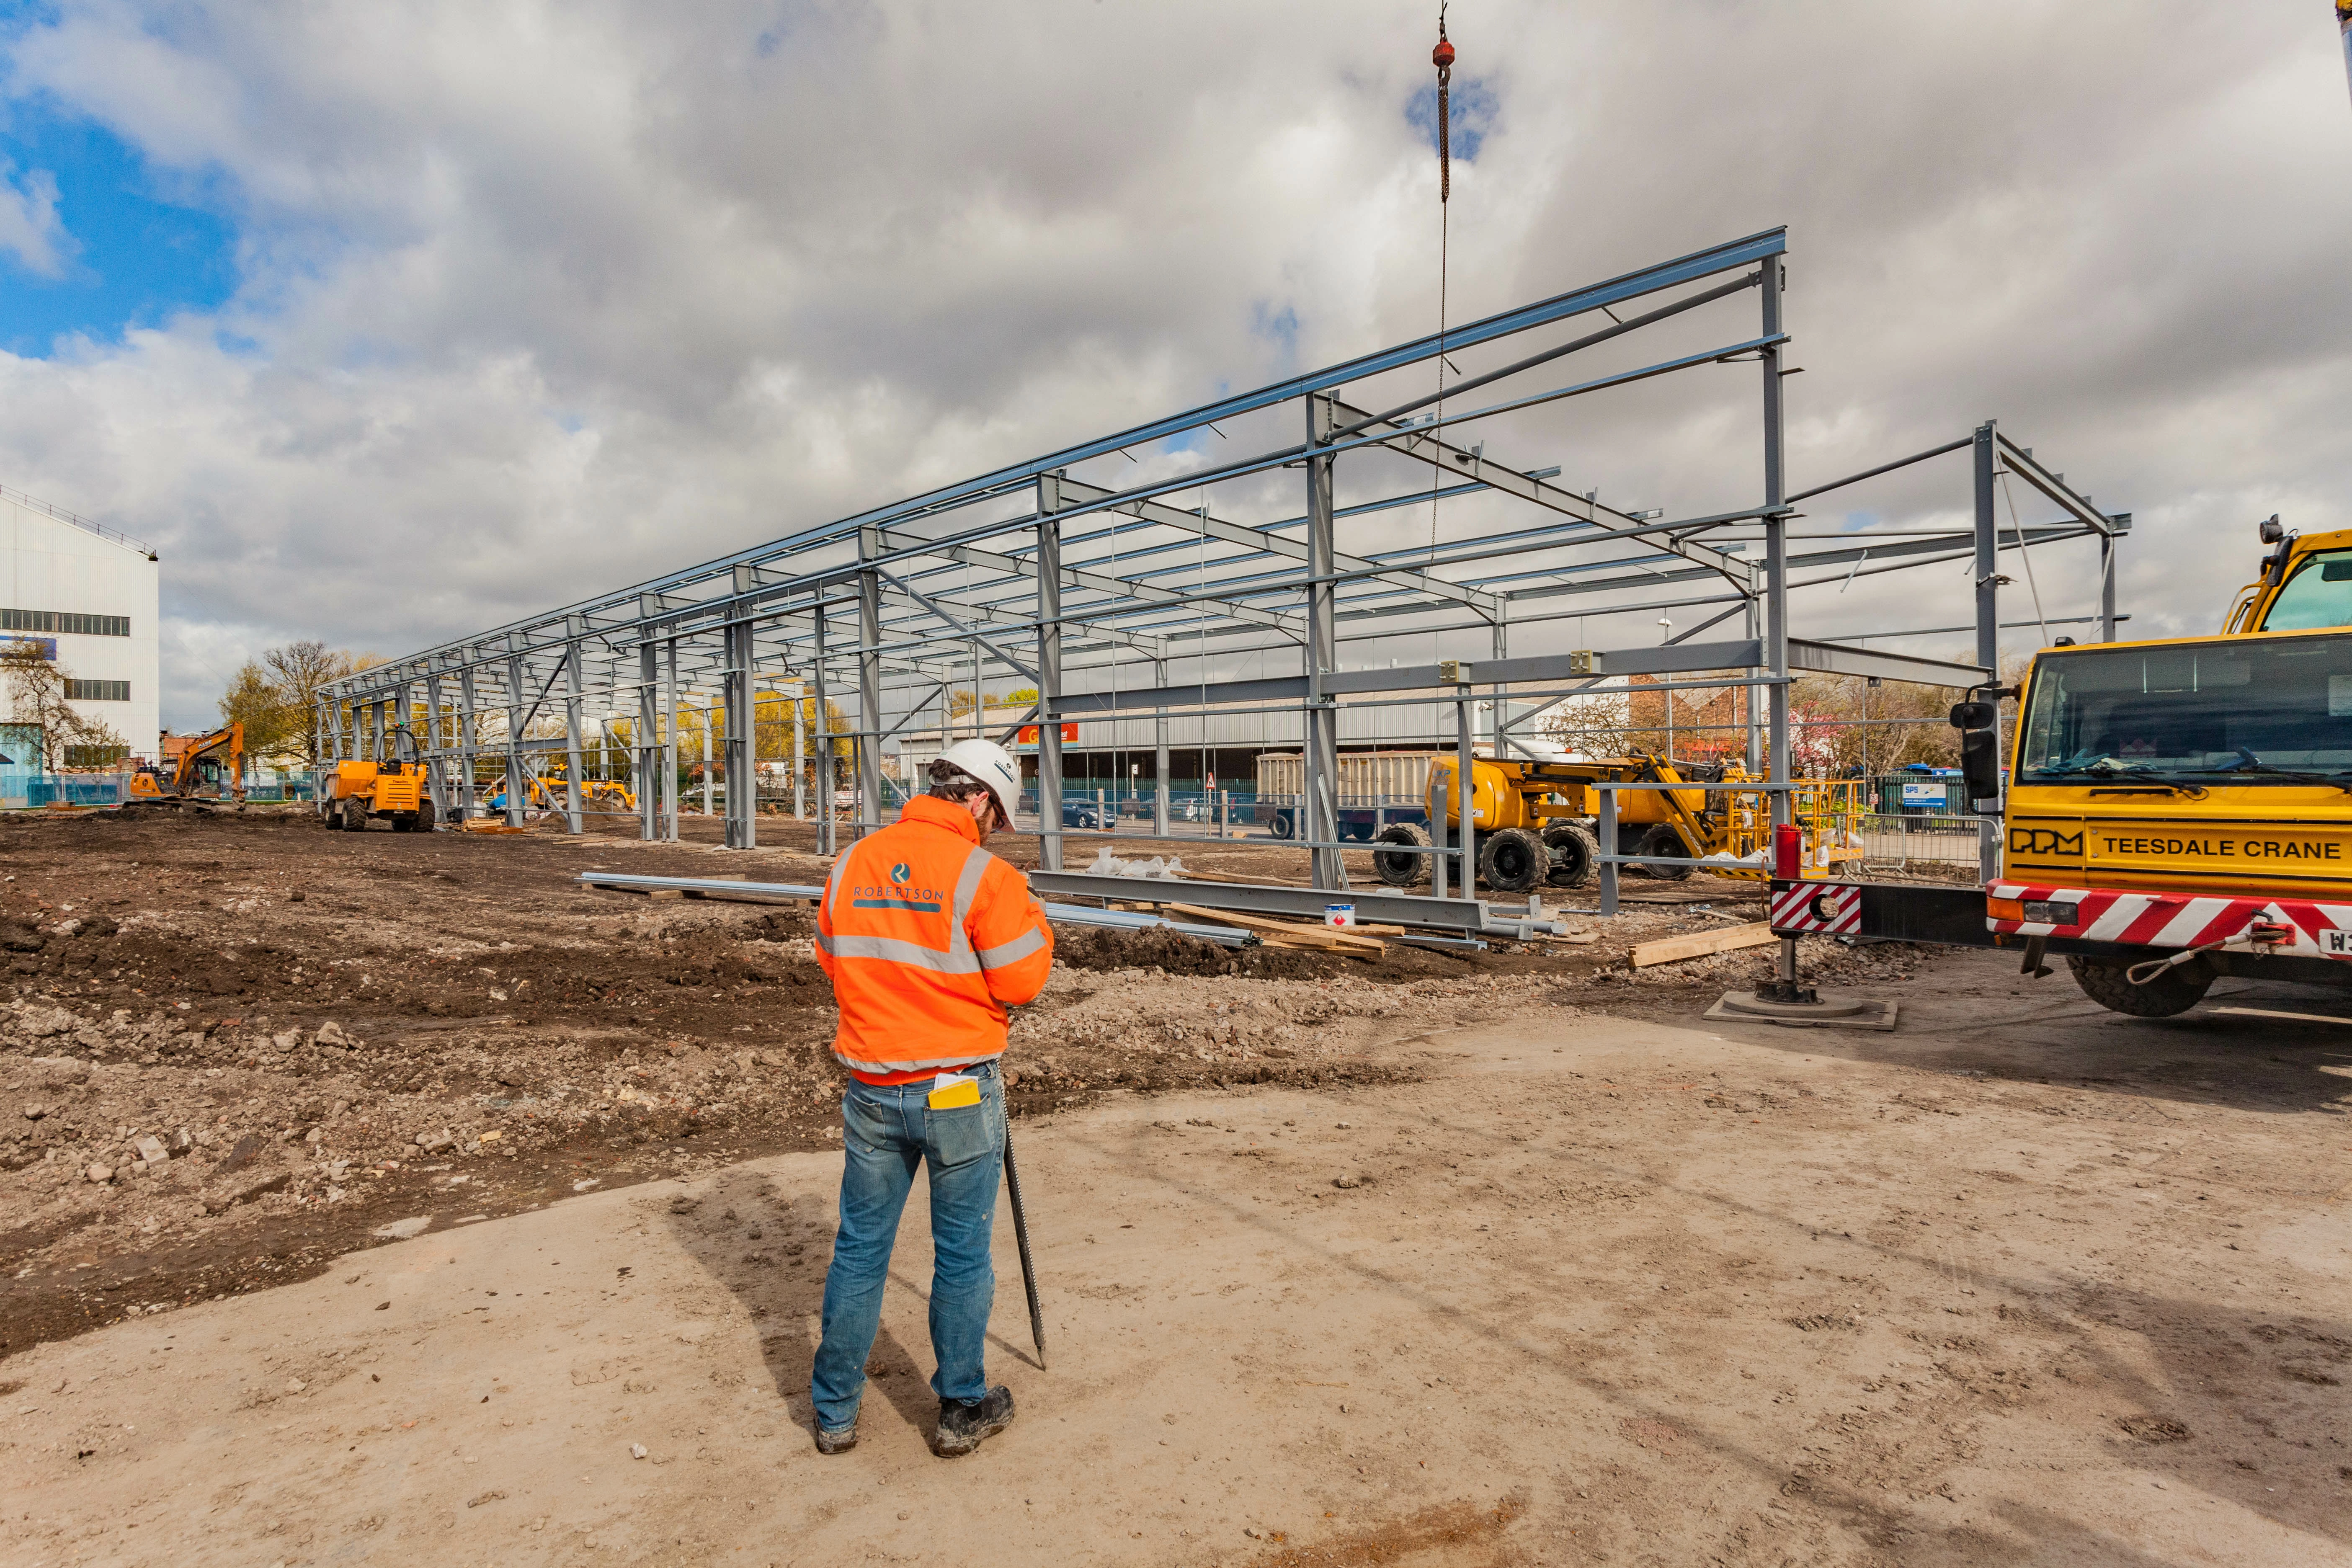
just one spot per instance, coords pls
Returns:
(395, 789)
(2175, 810)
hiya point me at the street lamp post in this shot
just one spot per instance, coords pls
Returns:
(1666, 635)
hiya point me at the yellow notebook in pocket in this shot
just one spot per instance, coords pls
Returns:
(950, 1091)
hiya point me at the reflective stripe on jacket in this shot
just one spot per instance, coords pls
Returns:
(927, 938)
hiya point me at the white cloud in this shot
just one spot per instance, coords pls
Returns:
(29, 229)
(544, 299)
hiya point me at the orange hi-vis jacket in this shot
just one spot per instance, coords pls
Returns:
(927, 938)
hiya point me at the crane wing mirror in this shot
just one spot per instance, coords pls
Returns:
(1973, 716)
(2272, 530)
(1981, 764)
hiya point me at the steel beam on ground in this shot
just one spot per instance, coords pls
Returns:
(1372, 906)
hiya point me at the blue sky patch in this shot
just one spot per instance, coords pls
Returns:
(133, 259)
(1471, 110)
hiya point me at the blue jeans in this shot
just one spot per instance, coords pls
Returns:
(885, 1133)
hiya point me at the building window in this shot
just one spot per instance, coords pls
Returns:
(97, 690)
(95, 756)
(65, 621)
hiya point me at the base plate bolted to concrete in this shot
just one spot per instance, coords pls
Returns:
(1835, 1010)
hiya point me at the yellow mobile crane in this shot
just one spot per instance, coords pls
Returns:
(2176, 810)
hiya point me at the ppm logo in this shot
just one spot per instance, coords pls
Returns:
(2044, 841)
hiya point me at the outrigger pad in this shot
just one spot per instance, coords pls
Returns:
(1835, 1010)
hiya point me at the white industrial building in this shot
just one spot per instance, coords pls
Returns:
(89, 597)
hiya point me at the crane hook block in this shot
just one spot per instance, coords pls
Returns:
(1441, 57)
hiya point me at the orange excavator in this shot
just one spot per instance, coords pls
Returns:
(209, 767)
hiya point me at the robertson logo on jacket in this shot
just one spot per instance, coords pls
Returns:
(900, 893)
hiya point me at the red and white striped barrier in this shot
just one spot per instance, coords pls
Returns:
(1816, 909)
(2297, 926)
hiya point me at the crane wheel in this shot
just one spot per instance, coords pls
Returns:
(1668, 858)
(1513, 860)
(2172, 993)
(1573, 852)
(424, 815)
(1399, 870)
(354, 817)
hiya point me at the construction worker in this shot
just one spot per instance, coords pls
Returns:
(928, 939)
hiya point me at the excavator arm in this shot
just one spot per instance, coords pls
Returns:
(227, 742)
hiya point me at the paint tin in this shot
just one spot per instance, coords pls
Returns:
(1338, 914)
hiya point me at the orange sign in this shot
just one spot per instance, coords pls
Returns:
(1029, 734)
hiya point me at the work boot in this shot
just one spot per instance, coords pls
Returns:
(963, 1426)
(832, 1442)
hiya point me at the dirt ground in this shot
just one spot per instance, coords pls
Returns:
(323, 1032)
(1504, 1259)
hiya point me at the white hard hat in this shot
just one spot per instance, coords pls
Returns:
(992, 765)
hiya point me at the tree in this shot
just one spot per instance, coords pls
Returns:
(297, 672)
(256, 702)
(960, 703)
(1022, 696)
(37, 695)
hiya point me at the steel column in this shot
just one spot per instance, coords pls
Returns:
(1501, 724)
(742, 736)
(1754, 735)
(1319, 813)
(436, 768)
(800, 751)
(1159, 757)
(1988, 544)
(646, 752)
(1049, 672)
(2106, 587)
(1775, 585)
(670, 742)
(706, 759)
(573, 762)
(870, 689)
(1466, 790)
(514, 740)
(1776, 550)
(824, 721)
(469, 736)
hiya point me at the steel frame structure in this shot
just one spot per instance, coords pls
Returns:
(1069, 582)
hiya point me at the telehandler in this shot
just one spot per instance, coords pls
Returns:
(1536, 821)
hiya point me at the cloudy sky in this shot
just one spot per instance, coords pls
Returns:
(388, 321)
